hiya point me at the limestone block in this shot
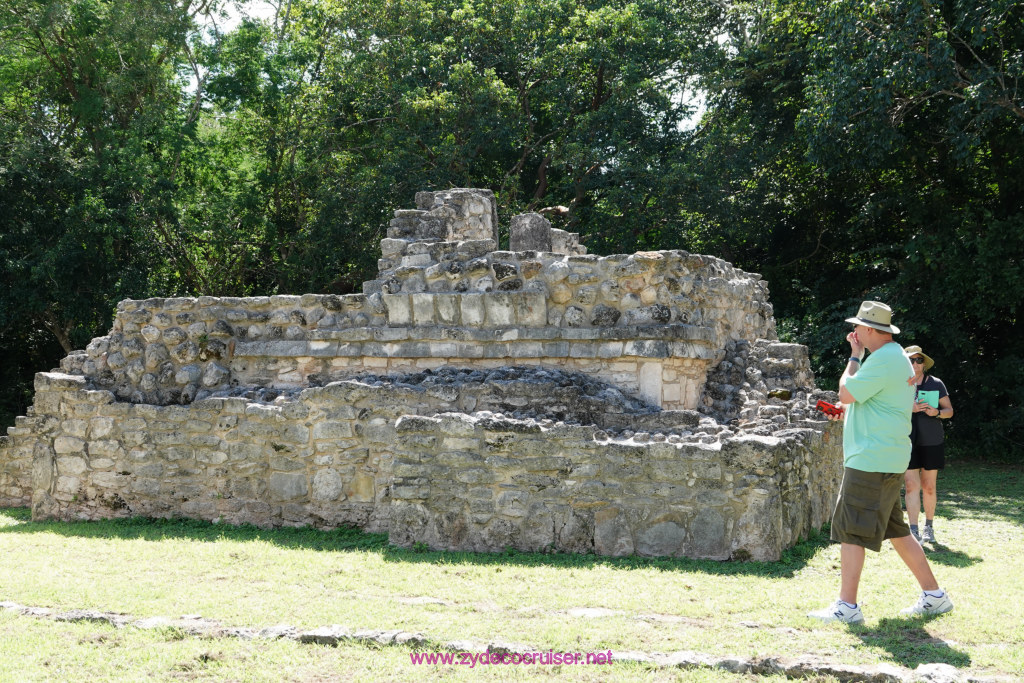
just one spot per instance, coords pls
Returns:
(629, 301)
(150, 333)
(68, 485)
(448, 308)
(530, 268)
(537, 530)
(108, 480)
(504, 271)
(574, 317)
(100, 427)
(650, 380)
(575, 530)
(647, 315)
(423, 309)
(604, 316)
(105, 448)
(76, 428)
(98, 346)
(530, 232)
(500, 310)
(71, 465)
(664, 539)
(513, 285)
(327, 485)
(586, 296)
(472, 309)
(556, 271)
(287, 486)
(215, 375)
(416, 260)
(560, 293)
(66, 444)
(185, 352)
(360, 488)
(531, 309)
(135, 370)
(612, 534)
(197, 330)
(332, 430)
(399, 308)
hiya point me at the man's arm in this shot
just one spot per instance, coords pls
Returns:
(852, 366)
(845, 397)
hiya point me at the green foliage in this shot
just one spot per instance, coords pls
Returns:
(858, 150)
(848, 150)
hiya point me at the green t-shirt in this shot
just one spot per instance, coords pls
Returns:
(876, 435)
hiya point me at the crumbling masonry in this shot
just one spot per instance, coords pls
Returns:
(469, 399)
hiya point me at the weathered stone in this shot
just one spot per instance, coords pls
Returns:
(663, 538)
(529, 232)
(150, 333)
(604, 316)
(63, 445)
(573, 317)
(284, 486)
(215, 375)
(327, 485)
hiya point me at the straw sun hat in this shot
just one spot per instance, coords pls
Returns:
(875, 314)
(915, 350)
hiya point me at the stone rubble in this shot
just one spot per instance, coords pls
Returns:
(334, 635)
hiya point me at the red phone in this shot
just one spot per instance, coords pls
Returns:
(830, 409)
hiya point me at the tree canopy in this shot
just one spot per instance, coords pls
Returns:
(848, 150)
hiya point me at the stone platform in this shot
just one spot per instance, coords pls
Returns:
(470, 398)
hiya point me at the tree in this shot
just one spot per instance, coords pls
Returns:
(860, 150)
(91, 125)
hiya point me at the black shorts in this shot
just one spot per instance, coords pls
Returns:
(927, 457)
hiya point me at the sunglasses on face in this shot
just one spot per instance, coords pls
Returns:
(918, 360)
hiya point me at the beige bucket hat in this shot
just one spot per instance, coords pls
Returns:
(875, 314)
(915, 350)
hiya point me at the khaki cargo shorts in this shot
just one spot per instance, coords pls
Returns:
(868, 510)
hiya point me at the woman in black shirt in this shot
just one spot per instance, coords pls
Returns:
(927, 454)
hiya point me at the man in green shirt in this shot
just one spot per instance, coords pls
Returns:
(876, 450)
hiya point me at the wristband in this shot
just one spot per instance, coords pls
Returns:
(854, 359)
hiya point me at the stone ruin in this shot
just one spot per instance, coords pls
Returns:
(539, 398)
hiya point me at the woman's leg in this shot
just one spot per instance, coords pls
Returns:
(927, 484)
(912, 481)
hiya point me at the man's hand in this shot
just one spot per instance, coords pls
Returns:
(921, 407)
(856, 348)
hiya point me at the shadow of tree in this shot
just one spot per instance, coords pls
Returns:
(981, 490)
(909, 644)
(351, 539)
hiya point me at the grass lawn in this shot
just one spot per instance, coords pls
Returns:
(246, 577)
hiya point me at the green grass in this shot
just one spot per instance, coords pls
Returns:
(249, 577)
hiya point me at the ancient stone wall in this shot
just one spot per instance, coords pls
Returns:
(420, 459)
(470, 398)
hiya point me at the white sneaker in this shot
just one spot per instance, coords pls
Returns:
(928, 535)
(928, 604)
(838, 611)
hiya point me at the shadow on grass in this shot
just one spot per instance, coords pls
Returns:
(976, 489)
(981, 490)
(944, 555)
(909, 644)
(351, 539)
